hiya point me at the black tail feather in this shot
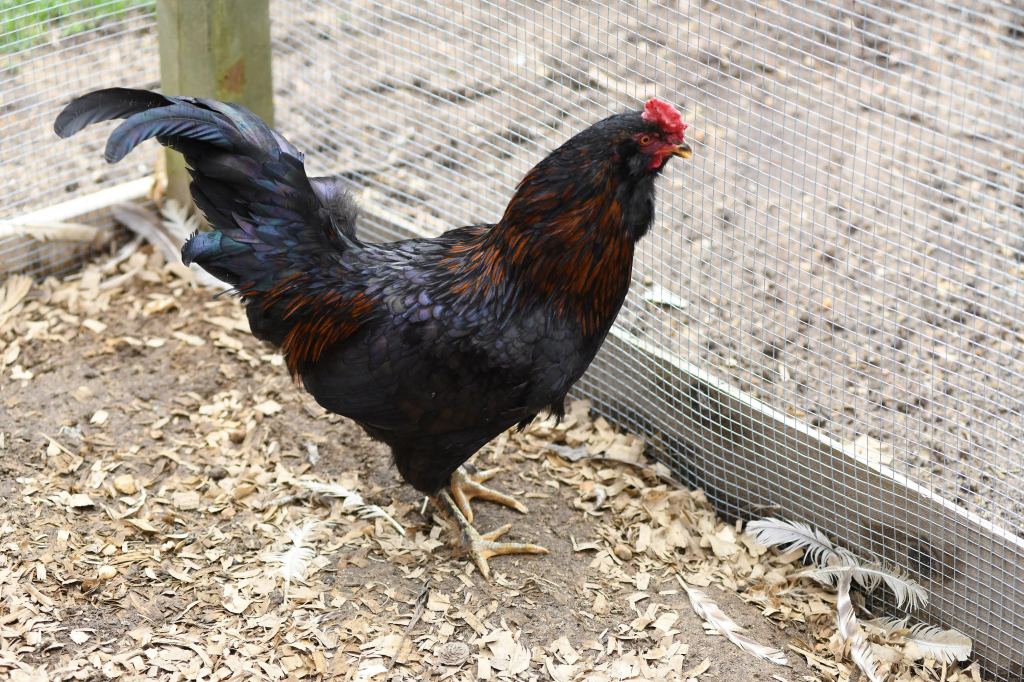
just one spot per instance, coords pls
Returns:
(104, 105)
(270, 221)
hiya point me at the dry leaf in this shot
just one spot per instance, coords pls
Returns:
(125, 484)
(190, 339)
(268, 407)
(507, 655)
(186, 501)
(233, 601)
(94, 326)
(698, 670)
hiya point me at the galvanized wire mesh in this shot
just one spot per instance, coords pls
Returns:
(844, 247)
(49, 51)
(826, 319)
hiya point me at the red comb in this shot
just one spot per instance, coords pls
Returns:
(665, 115)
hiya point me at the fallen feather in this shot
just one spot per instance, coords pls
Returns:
(710, 612)
(293, 562)
(350, 498)
(851, 631)
(923, 641)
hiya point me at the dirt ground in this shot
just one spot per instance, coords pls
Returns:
(154, 457)
(207, 421)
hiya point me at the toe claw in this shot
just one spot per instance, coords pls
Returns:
(462, 500)
(496, 533)
(466, 487)
(485, 475)
(479, 547)
(481, 550)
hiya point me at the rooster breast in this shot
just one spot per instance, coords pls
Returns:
(436, 378)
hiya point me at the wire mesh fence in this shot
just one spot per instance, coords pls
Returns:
(50, 50)
(825, 322)
(844, 249)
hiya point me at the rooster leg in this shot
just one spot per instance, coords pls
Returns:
(467, 486)
(480, 547)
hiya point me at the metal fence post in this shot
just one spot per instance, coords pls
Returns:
(214, 48)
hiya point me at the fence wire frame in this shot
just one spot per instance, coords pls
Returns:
(551, 70)
(864, 155)
(48, 52)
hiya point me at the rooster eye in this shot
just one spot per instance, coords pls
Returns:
(645, 140)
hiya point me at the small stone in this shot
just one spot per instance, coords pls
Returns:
(81, 394)
(623, 552)
(125, 484)
(453, 653)
(106, 572)
(218, 473)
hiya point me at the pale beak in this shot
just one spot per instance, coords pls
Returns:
(682, 149)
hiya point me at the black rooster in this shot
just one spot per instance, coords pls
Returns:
(434, 346)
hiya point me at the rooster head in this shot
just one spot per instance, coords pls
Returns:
(658, 136)
(638, 142)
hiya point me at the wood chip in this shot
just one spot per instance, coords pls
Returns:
(78, 636)
(80, 501)
(187, 500)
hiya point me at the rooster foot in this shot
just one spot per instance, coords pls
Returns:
(466, 486)
(479, 547)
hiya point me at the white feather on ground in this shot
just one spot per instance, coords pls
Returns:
(832, 562)
(906, 590)
(350, 499)
(178, 220)
(926, 641)
(841, 568)
(819, 549)
(851, 632)
(708, 610)
(143, 222)
(293, 562)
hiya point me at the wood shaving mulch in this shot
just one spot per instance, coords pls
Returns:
(156, 466)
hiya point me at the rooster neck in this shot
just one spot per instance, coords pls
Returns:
(575, 191)
(566, 242)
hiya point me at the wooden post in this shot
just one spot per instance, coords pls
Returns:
(218, 49)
